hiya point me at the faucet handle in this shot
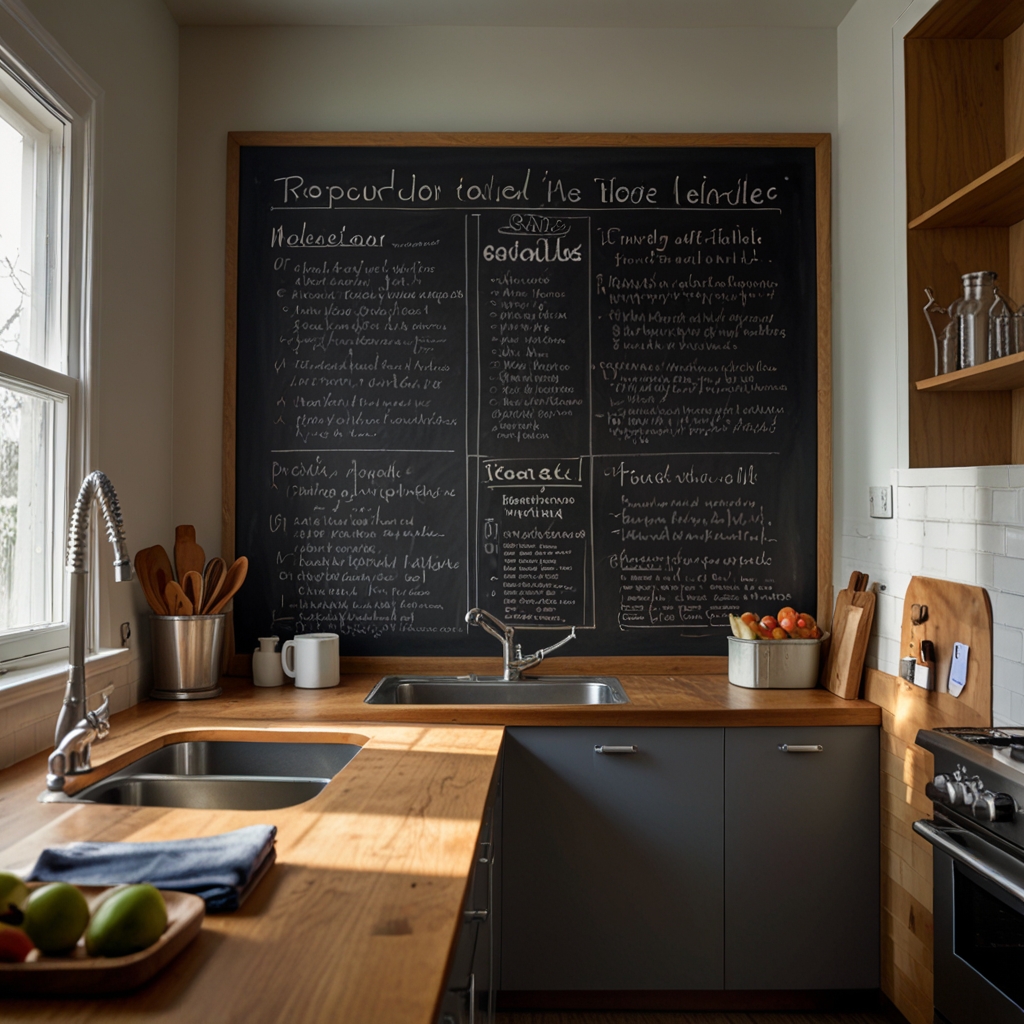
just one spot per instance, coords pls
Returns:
(100, 718)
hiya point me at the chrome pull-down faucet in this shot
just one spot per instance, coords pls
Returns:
(73, 716)
(514, 662)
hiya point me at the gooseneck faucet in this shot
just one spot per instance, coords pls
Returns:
(514, 666)
(96, 487)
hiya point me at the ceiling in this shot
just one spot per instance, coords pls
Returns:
(544, 13)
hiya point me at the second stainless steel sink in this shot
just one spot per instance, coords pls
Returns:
(224, 775)
(484, 690)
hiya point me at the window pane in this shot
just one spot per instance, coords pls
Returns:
(31, 156)
(29, 428)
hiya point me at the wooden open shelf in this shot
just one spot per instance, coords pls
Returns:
(964, 80)
(1006, 374)
(996, 199)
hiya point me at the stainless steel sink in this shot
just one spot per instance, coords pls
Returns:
(494, 690)
(224, 775)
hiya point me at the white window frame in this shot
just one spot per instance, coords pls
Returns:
(32, 56)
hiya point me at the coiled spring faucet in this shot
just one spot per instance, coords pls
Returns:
(514, 662)
(95, 487)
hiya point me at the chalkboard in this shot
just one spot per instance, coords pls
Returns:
(576, 381)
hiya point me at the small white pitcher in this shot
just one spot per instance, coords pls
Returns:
(266, 663)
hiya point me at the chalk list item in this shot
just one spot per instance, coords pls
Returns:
(573, 386)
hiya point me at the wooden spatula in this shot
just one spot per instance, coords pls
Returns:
(213, 580)
(143, 574)
(177, 602)
(233, 579)
(188, 555)
(192, 585)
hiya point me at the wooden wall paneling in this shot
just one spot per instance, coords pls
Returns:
(954, 116)
(951, 429)
(966, 19)
(1013, 91)
(1017, 426)
(823, 177)
(955, 612)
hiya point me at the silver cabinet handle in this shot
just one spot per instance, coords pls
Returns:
(604, 748)
(801, 748)
(474, 915)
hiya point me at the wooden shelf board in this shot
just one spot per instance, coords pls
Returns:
(970, 19)
(1006, 374)
(995, 199)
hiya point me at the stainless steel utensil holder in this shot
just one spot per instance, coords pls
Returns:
(187, 652)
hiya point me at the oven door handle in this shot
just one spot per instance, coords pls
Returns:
(941, 841)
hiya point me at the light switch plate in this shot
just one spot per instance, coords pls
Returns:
(880, 502)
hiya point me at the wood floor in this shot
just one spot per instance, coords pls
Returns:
(661, 1017)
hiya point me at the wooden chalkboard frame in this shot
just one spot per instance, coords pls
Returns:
(821, 143)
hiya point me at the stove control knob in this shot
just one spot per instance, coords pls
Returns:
(991, 806)
(942, 789)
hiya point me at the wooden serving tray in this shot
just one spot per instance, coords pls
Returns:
(78, 974)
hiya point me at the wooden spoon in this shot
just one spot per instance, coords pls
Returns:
(192, 585)
(188, 555)
(213, 580)
(177, 602)
(160, 571)
(233, 579)
(142, 572)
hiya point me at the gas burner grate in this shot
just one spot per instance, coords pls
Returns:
(1001, 737)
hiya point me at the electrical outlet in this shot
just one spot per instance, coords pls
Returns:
(880, 502)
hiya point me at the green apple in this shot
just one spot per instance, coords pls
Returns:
(127, 921)
(55, 917)
(13, 894)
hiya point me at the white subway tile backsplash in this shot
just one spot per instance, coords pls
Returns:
(1002, 705)
(910, 531)
(936, 533)
(1016, 476)
(1008, 610)
(1007, 643)
(935, 503)
(1008, 574)
(983, 505)
(992, 538)
(962, 536)
(985, 571)
(1004, 507)
(962, 566)
(955, 508)
(934, 561)
(1008, 674)
(909, 558)
(910, 502)
(1014, 542)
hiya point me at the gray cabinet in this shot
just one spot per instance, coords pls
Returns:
(612, 863)
(801, 859)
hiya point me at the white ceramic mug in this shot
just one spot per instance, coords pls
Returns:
(314, 660)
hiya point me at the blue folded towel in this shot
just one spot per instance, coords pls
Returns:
(222, 869)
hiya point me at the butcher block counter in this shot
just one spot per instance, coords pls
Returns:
(357, 919)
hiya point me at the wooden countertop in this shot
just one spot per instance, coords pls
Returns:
(357, 918)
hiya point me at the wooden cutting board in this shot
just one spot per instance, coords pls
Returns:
(851, 631)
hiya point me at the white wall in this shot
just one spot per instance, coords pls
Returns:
(446, 79)
(959, 524)
(130, 49)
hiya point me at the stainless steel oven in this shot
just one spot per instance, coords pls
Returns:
(977, 838)
(979, 928)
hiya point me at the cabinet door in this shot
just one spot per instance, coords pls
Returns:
(801, 859)
(612, 863)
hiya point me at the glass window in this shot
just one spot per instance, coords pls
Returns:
(37, 396)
